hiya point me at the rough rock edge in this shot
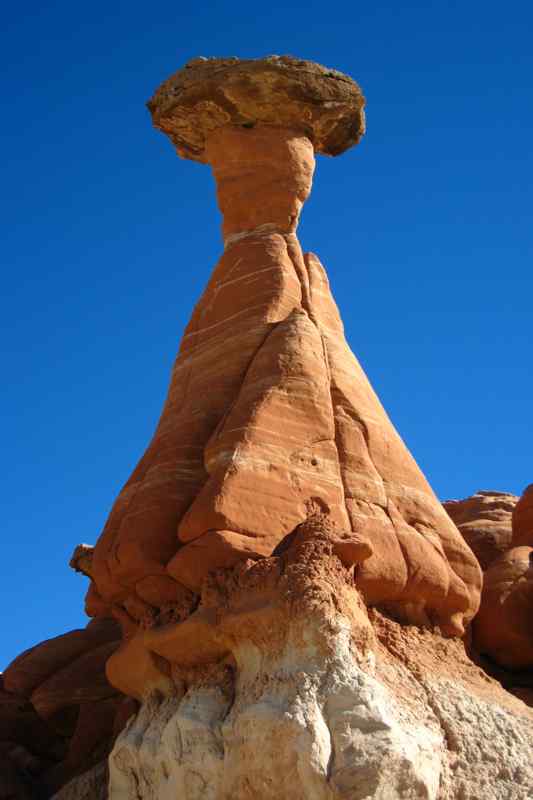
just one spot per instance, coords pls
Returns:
(90, 785)
(322, 103)
(315, 706)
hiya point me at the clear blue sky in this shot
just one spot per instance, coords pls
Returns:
(425, 229)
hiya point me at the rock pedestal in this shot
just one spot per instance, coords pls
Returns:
(269, 415)
(291, 594)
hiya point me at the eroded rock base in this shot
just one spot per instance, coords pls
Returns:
(300, 730)
(315, 697)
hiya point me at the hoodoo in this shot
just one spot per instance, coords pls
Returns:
(292, 600)
(269, 414)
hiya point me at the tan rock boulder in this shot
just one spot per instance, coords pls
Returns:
(503, 627)
(523, 519)
(485, 521)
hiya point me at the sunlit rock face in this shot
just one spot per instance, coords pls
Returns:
(503, 627)
(299, 693)
(498, 526)
(290, 591)
(523, 519)
(59, 715)
(268, 410)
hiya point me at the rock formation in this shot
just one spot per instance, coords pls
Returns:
(302, 694)
(485, 521)
(291, 594)
(268, 411)
(503, 628)
(499, 528)
(523, 519)
(58, 713)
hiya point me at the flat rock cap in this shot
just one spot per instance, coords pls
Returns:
(280, 91)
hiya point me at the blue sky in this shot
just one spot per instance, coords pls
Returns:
(425, 230)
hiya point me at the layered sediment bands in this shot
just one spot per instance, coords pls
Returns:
(269, 415)
(523, 519)
(269, 411)
(280, 568)
(302, 696)
(275, 165)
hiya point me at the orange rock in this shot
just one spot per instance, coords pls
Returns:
(95, 606)
(523, 519)
(214, 550)
(268, 411)
(276, 447)
(81, 681)
(485, 522)
(275, 165)
(136, 671)
(68, 723)
(156, 590)
(95, 730)
(34, 666)
(503, 627)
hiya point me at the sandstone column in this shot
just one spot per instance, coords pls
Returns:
(269, 417)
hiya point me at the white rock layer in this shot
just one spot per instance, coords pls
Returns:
(299, 727)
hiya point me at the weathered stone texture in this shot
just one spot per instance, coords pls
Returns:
(268, 411)
(59, 714)
(277, 590)
(485, 521)
(305, 696)
(523, 519)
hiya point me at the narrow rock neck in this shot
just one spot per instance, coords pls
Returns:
(263, 176)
